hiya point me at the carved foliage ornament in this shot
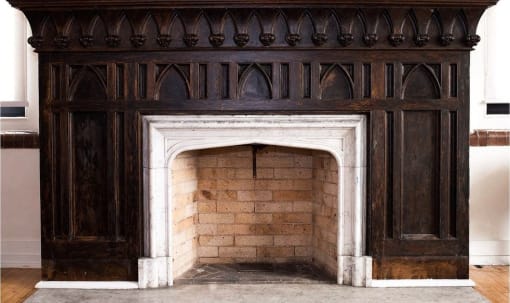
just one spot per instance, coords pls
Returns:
(267, 27)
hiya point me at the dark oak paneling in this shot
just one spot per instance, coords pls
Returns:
(89, 170)
(105, 65)
(420, 176)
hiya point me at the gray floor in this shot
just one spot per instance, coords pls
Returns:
(262, 293)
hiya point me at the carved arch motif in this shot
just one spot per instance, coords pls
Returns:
(255, 82)
(256, 27)
(336, 83)
(421, 81)
(172, 83)
(88, 83)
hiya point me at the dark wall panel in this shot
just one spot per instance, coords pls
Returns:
(420, 179)
(90, 211)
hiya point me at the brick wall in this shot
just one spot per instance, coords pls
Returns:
(184, 182)
(247, 219)
(325, 211)
(280, 216)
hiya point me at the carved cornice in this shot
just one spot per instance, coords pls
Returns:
(48, 4)
(144, 28)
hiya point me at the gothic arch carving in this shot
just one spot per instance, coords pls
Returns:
(255, 83)
(172, 83)
(421, 82)
(261, 27)
(336, 83)
(88, 82)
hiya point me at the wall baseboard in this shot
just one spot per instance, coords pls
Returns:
(489, 252)
(21, 253)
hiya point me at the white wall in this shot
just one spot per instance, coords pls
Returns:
(19, 168)
(490, 166)
(20, 209)
(489, 241)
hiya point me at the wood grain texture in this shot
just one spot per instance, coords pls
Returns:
(18, 284)
(421, 268)
(492, 282)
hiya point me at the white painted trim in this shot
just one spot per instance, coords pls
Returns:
(21, 253)
(87, 284)
(489, 248)
(493, 252)
(489, 260)
(21, 261)
(423, 283)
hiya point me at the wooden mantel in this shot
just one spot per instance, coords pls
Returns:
(88, 4)
(103, 65)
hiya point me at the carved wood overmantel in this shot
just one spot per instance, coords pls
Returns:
(105, 64)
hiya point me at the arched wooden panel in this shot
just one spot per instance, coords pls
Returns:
(173, 83)
(336, 84)
(421, 82)
(88, 83)
(254, 83)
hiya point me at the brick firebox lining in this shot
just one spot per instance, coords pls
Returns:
(222, 214)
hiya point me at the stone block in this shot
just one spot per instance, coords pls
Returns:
(253, 240)
(238, 252)
(216, 240)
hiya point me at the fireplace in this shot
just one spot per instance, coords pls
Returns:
(130, 89)
(254, 189)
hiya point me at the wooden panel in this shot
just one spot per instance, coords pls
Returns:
(421, 81)
(412, 144)
(421, 268)
(378, 182)
(420, 178)
(336, 82)
(87, 83)
(90, 204)
(172, 82)
(255, 81)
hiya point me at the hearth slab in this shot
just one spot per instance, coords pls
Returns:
(252, 273)
(235, 293)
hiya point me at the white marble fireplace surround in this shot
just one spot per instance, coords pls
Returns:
(343, 136)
